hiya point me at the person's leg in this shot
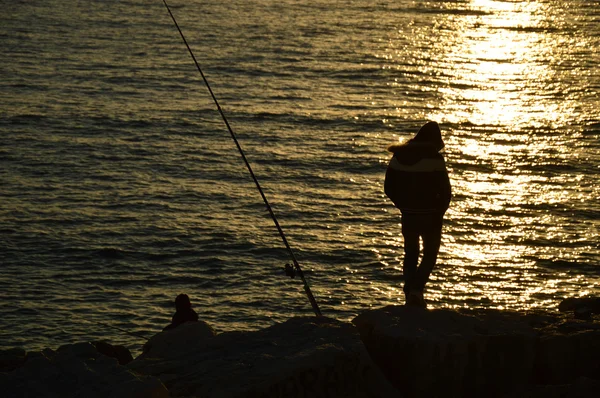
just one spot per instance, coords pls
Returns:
(432, 236)
(410, 232)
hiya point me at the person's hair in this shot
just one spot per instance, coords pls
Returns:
(182, 302)
(431, 134)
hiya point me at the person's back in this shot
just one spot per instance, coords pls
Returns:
(184, 312)
(416, 179)
(417, 183)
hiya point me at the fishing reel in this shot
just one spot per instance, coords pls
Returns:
(290, 271)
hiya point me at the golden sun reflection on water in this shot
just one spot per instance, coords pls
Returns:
(501, 71)
(501, 76)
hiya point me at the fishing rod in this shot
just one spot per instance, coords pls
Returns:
(289, 270)
(139, 335)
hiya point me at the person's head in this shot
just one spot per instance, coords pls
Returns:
(182, 302)
(430, 133)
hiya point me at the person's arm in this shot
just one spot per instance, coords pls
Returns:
(446, 191)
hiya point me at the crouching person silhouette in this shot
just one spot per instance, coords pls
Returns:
(417, 182)
(183, 313)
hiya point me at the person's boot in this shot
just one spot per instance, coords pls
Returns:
(415, 299)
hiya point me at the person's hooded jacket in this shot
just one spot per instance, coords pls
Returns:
(416, 179)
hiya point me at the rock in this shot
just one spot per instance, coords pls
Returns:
(451, 353)
(580, 388)
(11, 359)
(566, 351)
(583, 313)
(482, 352)
(582, 307)
(177, 339)
(77, 370)
(303, 357)
(436, 353)
(119, 352)
(588, 303)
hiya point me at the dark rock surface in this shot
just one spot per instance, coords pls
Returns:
(119, 352)
(475, 353)
(177, 340)
(394, 351)
(303, 357)
(580, 388)
(581, 307)
(11, 359)
(567, 350)
(76, 370)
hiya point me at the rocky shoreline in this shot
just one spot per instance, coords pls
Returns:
(395, 351)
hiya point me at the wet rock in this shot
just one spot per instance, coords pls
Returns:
(581, 307)
(446, 353)
(119, 352)
(303, 357)
(566, 351)
(482, 352)
(581, 388)
(11, 359)
(572, 303)
(178, 339)
(77, 370)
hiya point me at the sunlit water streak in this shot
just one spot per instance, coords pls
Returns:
(120, 187)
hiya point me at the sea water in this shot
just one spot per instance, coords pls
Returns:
(120, 186)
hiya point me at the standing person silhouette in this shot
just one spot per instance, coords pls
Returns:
(417, 182)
